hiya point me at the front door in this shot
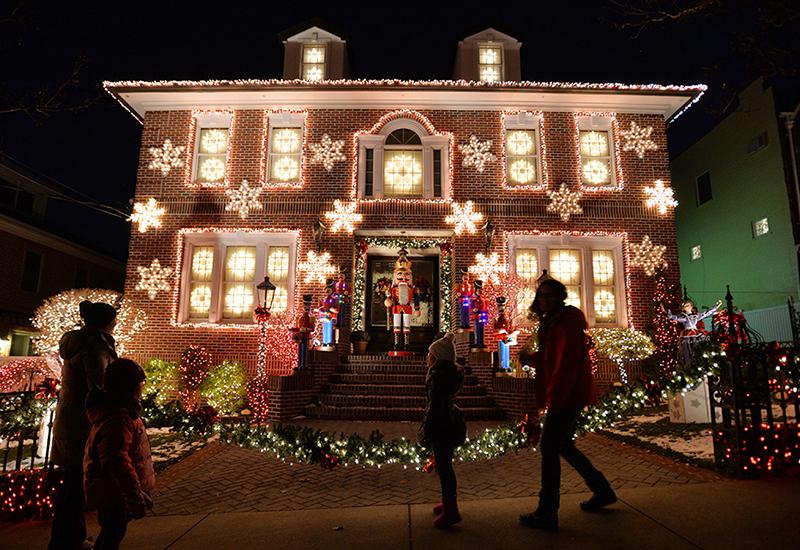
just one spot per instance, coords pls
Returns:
(424, 327)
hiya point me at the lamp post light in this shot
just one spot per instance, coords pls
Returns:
(266, 293)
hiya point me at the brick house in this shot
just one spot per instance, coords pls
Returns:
(399, 155)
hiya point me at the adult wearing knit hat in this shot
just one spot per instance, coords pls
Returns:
(86, 354)
(443, 427)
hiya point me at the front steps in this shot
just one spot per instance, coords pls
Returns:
(379, 387)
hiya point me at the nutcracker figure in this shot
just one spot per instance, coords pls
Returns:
(480, 313)
(400, 298)
(464, 293)
(302, 332)
(327, 314)
(505, 337)
(341, 292)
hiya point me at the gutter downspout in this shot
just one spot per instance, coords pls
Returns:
(789, 120)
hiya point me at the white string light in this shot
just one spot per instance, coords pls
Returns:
(464, 218)
(638, 139)
(147, 214)
(477, 153)
(565, 202)
(343, 216)
(487, 268)
(166, 157)
(660, 197)
(648, 256)
(243, 200)
(317, 267)
(327, 152)
(153, 279)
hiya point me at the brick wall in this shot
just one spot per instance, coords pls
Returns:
(299, 208)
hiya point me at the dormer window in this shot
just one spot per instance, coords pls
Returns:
(490, 62)
(313, 62)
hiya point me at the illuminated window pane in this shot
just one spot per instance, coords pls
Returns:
(238, 301)
(521, 156)
(278, 264)
(212, 153)
(595, 157)
(200, 287)
(527, 264)
(240, 263)
(605, 306)
(281, 301)
(202, 263)
(760, 227)
(490, 62)
(313, 61)
(199, 299)
(565, 266)
(285, 154)
(402, 174)
(697, 252)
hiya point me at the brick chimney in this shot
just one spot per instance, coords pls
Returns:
(315, 54)
(489, 55)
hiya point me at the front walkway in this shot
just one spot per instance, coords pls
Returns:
(221, 478)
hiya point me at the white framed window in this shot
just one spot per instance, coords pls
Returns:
(760, 227)
(523, 149)
(590, 267)
(697, 252)
(221, 270)
(490, 62)
(403, 161)
(596, 151)
(212, 144)
(285, 148)
(314, 59)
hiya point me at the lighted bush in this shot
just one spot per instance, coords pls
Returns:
(225, 387)
(163, 379)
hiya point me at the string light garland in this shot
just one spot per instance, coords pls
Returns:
(29, 494)
(317, 267)
(18, 373)
(225, 387)
(60, 313)
(327, 152)
(638, 139)
(564, 202)
(659, 197)
(488, 268)
(477, 153)
(665, 331)
(243, 200)
(153, 279)
(193, 367)
(344, 216)
(147, 214)
(166, 157)
(464, 218)
(648, 256)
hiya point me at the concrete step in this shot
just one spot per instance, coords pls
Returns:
(390, 389)
(404, 413)
(397, 368)
(398, 401)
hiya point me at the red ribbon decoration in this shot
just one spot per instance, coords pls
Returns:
(430, 465)
(47, 389)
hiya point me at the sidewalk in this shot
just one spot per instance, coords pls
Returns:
(724, 514)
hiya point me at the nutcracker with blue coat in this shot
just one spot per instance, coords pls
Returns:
(328, 311)
(505, 336)
(341, 292)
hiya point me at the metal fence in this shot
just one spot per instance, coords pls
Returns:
(29, 445)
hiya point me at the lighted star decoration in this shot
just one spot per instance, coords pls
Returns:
(327, 152)
(564, 202)
(166, 157)
(317, 267)
(243, 200)
(487, 268)
(153, 279)
(648, 256)
(638, 139)
(464, 217)
(343, 216)
(660, 197)
(147, 214)
(477, 153)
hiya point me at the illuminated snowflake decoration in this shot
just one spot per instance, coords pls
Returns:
(464, 218)
(638, 139)
(648, 256)
(488, 268)
(243, 200)
(327, 152)
(660, 197)
(166, 157)
(564, 202)
(153, 279)
(147, 214)
(343, 216)
(477, 153)
(317, 267)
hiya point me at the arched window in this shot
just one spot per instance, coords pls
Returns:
(403, 161)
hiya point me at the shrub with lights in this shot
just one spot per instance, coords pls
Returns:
(194, 366)
(225, 388)
(163, 381)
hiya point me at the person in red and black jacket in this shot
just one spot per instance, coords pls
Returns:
(564, 386)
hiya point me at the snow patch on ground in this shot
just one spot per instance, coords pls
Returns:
(691, 440)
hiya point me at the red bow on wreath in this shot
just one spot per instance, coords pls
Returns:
(363, 246)
(329, 461)
(47, 389)
(261, 314)
(446, 248)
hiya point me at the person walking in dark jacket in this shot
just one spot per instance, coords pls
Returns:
(117, 465)
(443, 426)
(564, 386)
(86, 354)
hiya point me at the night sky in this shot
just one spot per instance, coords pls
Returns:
(96, 150)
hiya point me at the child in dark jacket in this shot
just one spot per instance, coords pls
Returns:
(117, 466)
(443, 426)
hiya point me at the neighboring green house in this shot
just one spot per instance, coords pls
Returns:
(737, 213)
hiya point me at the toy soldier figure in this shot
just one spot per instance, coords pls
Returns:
(480, 313)
(464, 293)
(400, 298)
(328, 311)
(302, 332)
(342, 294)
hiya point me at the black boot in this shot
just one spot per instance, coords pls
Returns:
(599, 500)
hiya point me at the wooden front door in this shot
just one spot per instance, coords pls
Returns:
(424, 327)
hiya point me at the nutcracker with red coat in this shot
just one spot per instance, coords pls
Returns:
(506, 336)
(341, 292)
(464, 293)
(302, 332)
(401, 299)
(480, 314)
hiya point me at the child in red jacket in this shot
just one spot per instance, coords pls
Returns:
(117, 466)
